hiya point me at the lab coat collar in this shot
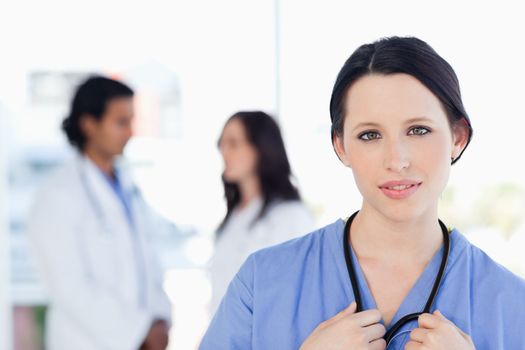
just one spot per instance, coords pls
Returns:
(102, 191)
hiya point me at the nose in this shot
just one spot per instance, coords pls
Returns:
(222, 149)
(397, 156)
(129, 132)
(225, 153)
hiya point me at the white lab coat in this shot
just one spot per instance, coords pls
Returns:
(283, 221)
(89, 263)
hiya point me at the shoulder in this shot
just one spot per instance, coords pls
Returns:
(483, 264)
(60, 184)
(66, 171)
(290, 213)
(486, 273)
(485, 298)
(293, 207)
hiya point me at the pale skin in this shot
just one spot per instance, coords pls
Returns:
(240, 159)
(394, 129)
(105, 140)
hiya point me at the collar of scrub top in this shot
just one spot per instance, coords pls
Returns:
(355, 286)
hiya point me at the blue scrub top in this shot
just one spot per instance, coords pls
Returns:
(282, 293)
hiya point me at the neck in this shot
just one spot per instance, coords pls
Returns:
(104, 162)
(378, 237)
(250, 189)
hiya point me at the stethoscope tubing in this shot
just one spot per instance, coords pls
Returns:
(355, 286)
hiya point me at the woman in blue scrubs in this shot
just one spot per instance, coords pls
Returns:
(392, 276)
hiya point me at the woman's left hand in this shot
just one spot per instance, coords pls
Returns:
(436, 332)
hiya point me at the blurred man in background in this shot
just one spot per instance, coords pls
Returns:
(90, 232)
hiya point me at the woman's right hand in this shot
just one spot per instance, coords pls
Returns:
(348, 330)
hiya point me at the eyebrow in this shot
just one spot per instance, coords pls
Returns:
(418, 120)
(409, 121)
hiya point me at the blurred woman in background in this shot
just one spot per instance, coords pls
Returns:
(263, 206)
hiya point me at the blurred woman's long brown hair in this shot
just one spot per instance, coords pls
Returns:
(273, 167)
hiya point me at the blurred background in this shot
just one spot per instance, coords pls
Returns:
(194, 63)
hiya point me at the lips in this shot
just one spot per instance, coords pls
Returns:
(400, 189)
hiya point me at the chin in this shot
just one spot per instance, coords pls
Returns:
(229, 178)
(118, 152)
(402, 211)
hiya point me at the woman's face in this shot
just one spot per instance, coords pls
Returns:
(239, 155)
(399, 143)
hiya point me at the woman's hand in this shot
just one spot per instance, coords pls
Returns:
(436, 332)
(348, 330)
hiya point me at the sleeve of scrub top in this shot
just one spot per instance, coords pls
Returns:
(104, 319)
(231, 327)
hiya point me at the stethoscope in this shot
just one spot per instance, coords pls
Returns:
(106, 229)
(353, 279)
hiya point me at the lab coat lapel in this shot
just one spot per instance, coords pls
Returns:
(139, 211)
(105, 197)
(141, 221)
(129, 250)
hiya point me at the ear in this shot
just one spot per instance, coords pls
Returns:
(339, 147)
(88, 125)
(460, 137)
